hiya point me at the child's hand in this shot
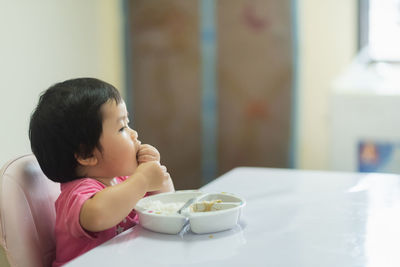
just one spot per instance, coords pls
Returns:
(147, 153)
(155, 174)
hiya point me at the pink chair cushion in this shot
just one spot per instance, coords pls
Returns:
(27, 213)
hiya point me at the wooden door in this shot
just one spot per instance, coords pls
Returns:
(166, 85)
(253, 83)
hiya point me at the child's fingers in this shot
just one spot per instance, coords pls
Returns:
(146, 151)
(147, 147)
(146, 158)
(166, 174)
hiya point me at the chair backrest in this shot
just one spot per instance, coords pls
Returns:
(27, 213)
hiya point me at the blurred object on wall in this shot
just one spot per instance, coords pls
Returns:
(377, 156)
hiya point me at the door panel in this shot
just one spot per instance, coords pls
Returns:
(255, 80)
(253, 87)
(166, 84)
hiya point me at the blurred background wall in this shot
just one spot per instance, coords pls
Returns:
(327, 44)
(44, 42)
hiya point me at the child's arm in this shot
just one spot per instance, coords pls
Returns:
(149, 153)
(111, 205)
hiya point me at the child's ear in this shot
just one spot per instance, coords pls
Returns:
(88, 161)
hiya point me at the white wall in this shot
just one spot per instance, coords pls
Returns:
(43, 42)
(328, 42)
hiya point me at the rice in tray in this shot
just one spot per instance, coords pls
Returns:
(165, 208)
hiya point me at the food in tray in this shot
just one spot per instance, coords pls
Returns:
(205, 206)
(160, 207)
(158, 213)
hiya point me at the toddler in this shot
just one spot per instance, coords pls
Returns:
(80, 136)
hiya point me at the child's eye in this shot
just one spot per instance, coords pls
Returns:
(123, 128)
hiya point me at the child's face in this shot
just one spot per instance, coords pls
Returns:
(119, 142)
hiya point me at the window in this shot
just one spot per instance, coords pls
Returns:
(380, 29)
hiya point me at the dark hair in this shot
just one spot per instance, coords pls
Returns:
(68, 121)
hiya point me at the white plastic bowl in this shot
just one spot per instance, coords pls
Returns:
(200, 222)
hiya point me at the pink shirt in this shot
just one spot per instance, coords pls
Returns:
(71, 239)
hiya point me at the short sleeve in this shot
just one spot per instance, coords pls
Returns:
(86, 189)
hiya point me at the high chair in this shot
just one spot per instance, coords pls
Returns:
(27, 214)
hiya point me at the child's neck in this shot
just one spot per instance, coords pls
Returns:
(90, 173)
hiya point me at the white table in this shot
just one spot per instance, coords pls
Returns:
(292, 218)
